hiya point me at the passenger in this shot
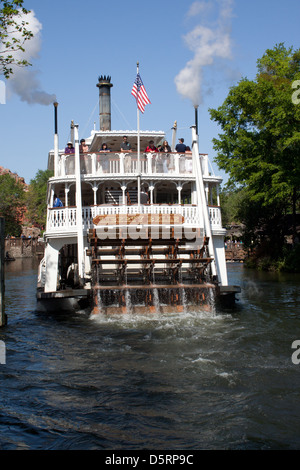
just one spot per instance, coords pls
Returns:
(69, 148)
(104, 148)
(83, 146)
(181, 147)
(159, 148)
(125, 146)
(104, 161)
(57, 202)
(188, 149)
(165, 147)
(151, 147)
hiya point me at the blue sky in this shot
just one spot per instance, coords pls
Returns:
(81, 40)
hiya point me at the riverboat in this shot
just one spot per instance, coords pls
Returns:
(138, 231)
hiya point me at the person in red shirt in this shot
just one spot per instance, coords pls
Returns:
(151, 147)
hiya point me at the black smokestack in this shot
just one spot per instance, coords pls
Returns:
(55, 104)
(104, 86)
(196, 119)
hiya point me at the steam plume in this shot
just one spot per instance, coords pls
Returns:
(207, 44)
(24, 81)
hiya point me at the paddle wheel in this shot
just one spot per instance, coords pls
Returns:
(158, 272)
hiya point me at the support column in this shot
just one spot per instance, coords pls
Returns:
(206, 193)
(151, 189)
(66, 195)
(123, 187)
(218, 195)
(52, 197)
(95, 189)
(179, 189)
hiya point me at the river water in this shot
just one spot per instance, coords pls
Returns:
(189, 381)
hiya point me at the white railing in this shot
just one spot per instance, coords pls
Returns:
(61, 219)
(64, 219)
(126, 163)
(215, 217)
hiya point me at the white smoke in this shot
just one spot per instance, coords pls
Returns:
(24, 81)
(208, 43)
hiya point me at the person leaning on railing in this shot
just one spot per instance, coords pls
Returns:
(69, 148)
(125, 146)
(181, 147)
(151, 147)
(104, 148)
(83, 146)
(165, 147)
(104, 160)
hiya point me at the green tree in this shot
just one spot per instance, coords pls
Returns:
(231, 200)
(260, 144)
(36, 198)
(13, 35)
(12, 207)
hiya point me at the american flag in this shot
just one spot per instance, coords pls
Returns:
(139, 92)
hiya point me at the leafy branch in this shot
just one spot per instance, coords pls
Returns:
(13, 35)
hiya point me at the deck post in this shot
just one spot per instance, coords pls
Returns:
(202, 203)
(79, 220)
(2, 285)
(174, 131)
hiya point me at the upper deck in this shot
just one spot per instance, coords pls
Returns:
(116, 163)
(109, 183)
(109, 165)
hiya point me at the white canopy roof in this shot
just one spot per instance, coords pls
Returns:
(113, 139)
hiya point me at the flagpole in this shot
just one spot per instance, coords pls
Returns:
(138, 152)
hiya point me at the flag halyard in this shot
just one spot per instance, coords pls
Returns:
(140, 94)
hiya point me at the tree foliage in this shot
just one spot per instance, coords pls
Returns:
(260, 143)
(13, 35)
(231, 201)
(36, 198)
(12, 205)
